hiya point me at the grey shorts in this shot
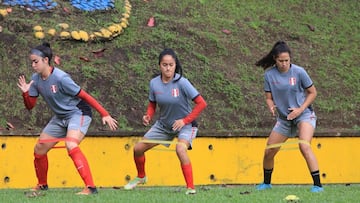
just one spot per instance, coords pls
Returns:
(289, 128)
(58, 127)
(160, 132)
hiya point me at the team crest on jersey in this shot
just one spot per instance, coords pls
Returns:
(53, 88)
(292, 81)
(175, 92)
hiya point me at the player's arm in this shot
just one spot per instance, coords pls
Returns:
(29, 101)
(149, 113)
(151, 109)
(92, 102)
(200, 105)
(270, 102)
(106, 118)
(310, 97)
(24, 87)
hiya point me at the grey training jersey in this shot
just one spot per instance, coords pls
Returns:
(59, 92)
(173, 98)
(287, 89)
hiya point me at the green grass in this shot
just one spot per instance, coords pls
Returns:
(220, 66)
(206, 194)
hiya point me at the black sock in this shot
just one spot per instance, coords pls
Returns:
(316, 178)
(267, 175)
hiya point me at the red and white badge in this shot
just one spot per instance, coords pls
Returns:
(292, 81)
(175, 92)
(53, 88)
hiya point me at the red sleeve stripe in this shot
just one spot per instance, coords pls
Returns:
(93, 103)
(200, 105)
(151, 109)
(29, 101)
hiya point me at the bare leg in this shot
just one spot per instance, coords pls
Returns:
(269, 155)
(41, 160)
(186, 167)
(306, 132)
(139, 158)
(74, 137)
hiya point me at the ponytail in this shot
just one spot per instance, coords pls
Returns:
(269, 60)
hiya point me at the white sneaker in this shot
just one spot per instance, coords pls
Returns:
(190, 191)
(132, 184)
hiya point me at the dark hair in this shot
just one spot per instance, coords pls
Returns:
(269, 60)
(178, 68)
(43, 50)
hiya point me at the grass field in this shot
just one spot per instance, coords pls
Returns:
(218, 193)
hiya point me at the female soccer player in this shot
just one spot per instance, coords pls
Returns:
(172, 93)
(72, 116)
(289, 92)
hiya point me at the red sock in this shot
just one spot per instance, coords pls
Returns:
(140, 165)
(188, 175)
(82, 166)
(41, 168)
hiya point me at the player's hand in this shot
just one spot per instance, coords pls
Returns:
(273, 110)
(178, 124)
(294, 113)
(146, 120)
(23, 85)
(110, 121)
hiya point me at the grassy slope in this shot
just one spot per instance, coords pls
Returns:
(219, 65)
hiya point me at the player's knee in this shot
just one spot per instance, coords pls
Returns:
(141, 148)
(305, 148)
(181, 147)
(70, 145)
(41, 148)
(270, 153)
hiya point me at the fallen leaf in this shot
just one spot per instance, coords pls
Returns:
(151, 22)
(226, 31)
(99, 52)
(66, 10)
(57, 60)
(84, 58)
(9, 126)
(311, 27)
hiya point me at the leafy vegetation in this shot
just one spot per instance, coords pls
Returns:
(217, 42)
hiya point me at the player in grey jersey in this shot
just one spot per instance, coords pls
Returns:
(173, 94)
(289, 92)
(72, 116)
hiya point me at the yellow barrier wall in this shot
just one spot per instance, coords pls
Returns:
(233, 160)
